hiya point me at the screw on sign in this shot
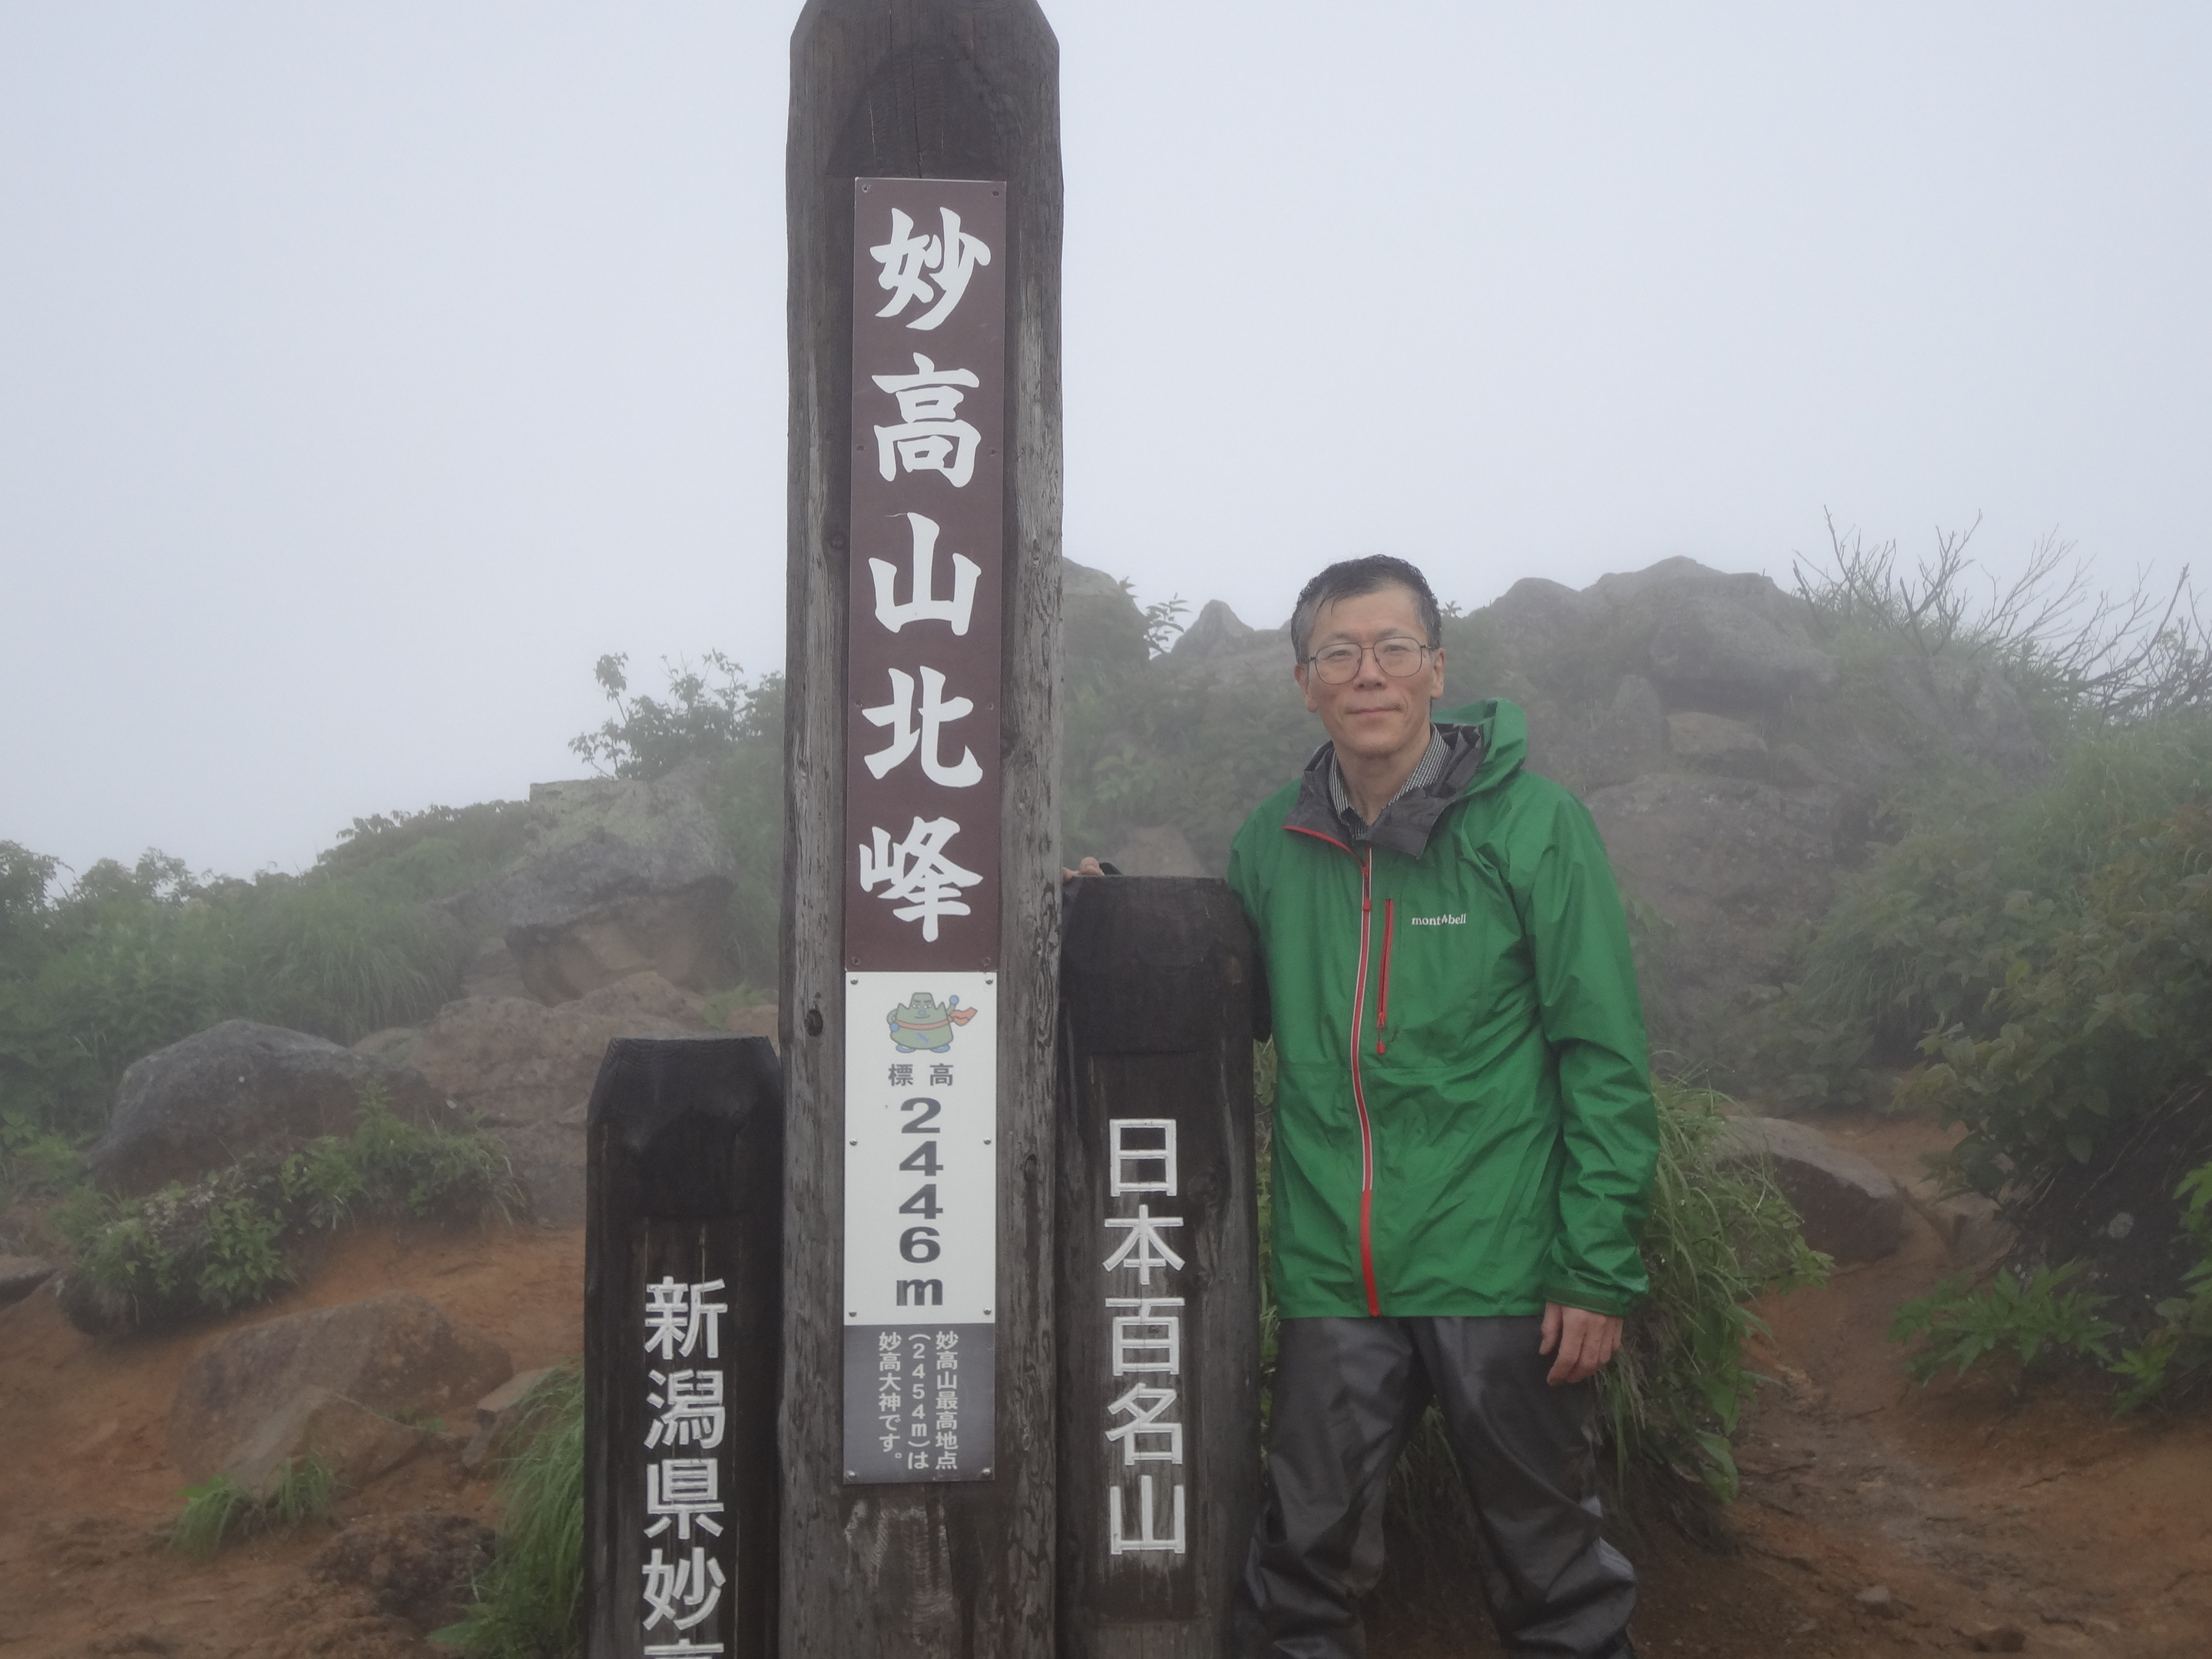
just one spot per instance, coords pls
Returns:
(1146, 1343)
(683, 1571)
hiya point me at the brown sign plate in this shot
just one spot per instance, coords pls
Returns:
(928, 512)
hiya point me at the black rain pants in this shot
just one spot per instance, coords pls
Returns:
(1347, 1393)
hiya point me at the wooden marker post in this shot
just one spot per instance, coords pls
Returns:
(682, 1283)
(920, 943)
(1158, 1309)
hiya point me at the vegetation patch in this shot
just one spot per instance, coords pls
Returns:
(2026, 1319)
(225, 1242)
(123, 962)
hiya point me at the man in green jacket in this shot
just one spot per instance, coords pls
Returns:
(1464, 1133)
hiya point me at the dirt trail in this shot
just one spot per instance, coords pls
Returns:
(88, 1491)
(2089, 1535)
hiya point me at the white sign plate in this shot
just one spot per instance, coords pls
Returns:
(921, 1090)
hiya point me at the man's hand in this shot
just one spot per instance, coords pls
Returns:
(1585, 1341)
(1089, 867)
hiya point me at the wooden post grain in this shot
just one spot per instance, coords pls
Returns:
(1157, 979)
(944, 89)
(683, 1189)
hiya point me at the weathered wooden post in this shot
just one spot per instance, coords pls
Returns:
(1158, 1310)
(920, 935)
(682, 1291)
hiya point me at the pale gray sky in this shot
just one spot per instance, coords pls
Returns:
(366, 370)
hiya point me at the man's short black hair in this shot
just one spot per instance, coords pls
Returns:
(1347, 579)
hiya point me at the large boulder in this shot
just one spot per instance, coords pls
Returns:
(22, 1274)
(237, 1088)
(1628, 740)
(1846, 1205)
(1712, 649)
(353, 1442)
(1731, 867)
(1540, 624)
(394, 1354)
(1714, 742)
(620, 878)
(514, 1061)
(1706, 637)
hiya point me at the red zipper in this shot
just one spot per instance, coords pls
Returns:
(1382, 997)
(1359, 1093)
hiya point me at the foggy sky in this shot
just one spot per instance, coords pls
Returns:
(367, 371)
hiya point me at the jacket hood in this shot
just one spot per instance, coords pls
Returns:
(1486, 741)
(1504, 731)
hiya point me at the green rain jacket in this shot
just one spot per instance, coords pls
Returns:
(1463, 1115)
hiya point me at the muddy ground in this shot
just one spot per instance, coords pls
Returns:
(1976, 1512)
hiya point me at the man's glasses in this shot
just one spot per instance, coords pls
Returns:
(1398, 658)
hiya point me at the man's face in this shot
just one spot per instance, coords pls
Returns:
(1372, 713)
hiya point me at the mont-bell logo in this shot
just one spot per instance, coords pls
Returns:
(1447, 921)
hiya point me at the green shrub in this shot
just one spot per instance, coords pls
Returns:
(2104, 1020)
(1984, 878)
(221, 1511)
(529, 1606)
(128, 961)
(430, 854)
(2029, 1318)
(224, 1241)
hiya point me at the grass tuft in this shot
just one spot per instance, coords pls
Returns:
(222, 1511)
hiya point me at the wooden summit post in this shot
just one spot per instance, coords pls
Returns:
(920, 947)
(1158, 1309)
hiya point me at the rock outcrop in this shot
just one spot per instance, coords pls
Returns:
(392, 1355)
(237, 1088)
(525, 1072)
(1732, 762)
(1229, 649)
(1729, 868)
(1849, 1207)
(620, 878)
(22, 1274)
(516, 1062)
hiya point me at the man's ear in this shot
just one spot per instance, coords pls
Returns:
(1300, 671)
(1435, 674)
